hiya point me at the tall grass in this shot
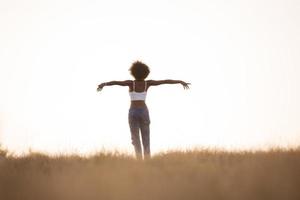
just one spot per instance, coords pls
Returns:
(199, 174)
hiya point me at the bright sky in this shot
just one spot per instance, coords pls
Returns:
(241, 56)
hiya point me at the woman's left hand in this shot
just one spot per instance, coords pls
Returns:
(100, 87)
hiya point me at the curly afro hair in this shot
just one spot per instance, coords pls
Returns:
(139, 70)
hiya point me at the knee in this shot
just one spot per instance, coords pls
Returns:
(135, 140)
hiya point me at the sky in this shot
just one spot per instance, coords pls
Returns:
(241, 57)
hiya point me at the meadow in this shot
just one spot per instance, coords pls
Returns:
(178, 175)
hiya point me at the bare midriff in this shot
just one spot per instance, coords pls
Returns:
(138, 104)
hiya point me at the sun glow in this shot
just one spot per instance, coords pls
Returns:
(241, 58)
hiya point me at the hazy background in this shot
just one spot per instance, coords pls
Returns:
(242, 58)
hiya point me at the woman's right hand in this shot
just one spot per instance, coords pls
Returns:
(185, 85)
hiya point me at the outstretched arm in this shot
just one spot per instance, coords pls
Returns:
(110, 83)
(168, 81)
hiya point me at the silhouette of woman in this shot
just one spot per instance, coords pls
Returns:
(138, 116)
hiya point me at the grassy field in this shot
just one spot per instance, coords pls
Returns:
(199, 174)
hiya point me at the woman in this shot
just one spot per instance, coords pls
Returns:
(138, 116)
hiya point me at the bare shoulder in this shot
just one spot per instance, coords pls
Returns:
(127, 82)
(154, 82)
(151, 82)
(121, 83)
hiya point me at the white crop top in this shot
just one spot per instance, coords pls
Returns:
(138, 96)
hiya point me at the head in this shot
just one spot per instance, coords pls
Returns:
(139, 70)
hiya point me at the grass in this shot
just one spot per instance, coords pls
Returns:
(198, 174)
